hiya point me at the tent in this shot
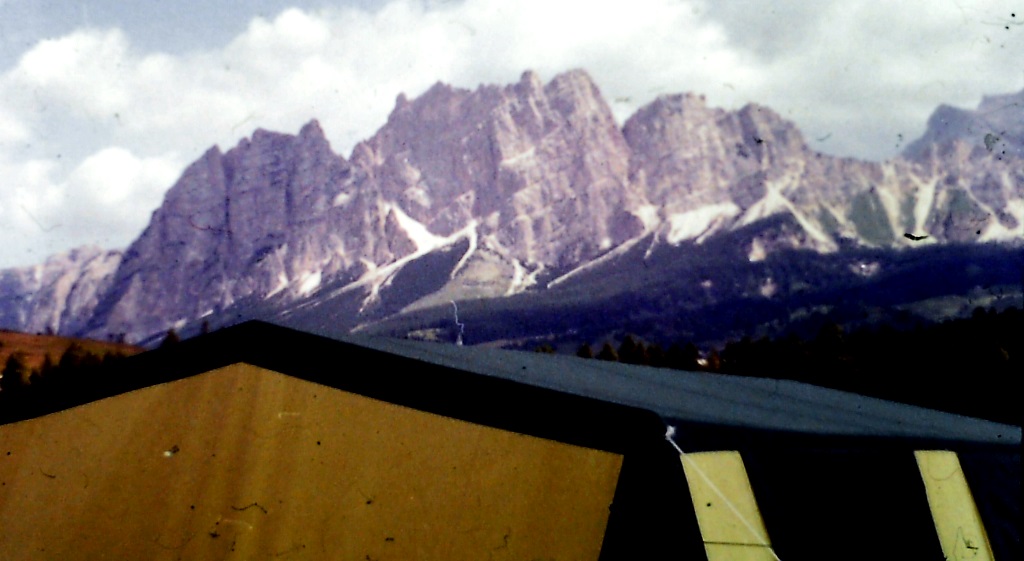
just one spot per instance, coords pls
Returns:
(263, 442)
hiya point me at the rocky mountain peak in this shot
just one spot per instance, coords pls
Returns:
(767, 133)
(59, 295)
(1010, 105)
(686, 155)
(575, 86)
(692, 107)
(209, 243)
(491, 190)
(529, 158)
(531, 82)
(995, 128)
(313, 133)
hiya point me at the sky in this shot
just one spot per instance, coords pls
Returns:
(104, 103)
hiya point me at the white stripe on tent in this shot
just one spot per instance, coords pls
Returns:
(961, 532)
(730, 522)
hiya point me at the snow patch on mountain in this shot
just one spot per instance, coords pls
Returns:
(925, 200)
(520, 158)
(774, 203)
(890, 204)
(621, 249)
(470, 233)
(518, 278)
(282, 283)
(997, 232)
(309, 282)
(757, 251)
(523, 278)
(649, 215)
(378, 277)
(771, 204)
(341, 199)
(417, 232)
(699, 222)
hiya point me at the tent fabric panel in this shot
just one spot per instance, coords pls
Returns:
(247, 462)
(651, 516)
(957, 522)
(840, 504)
(738, 552)
(730, 523)
(995, 482)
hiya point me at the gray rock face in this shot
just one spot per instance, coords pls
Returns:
(974, 159)
(708, 170)
(276, 212)
(59, 295)
(996, 126)
(513, 183)
(686, 155)
(543, 169)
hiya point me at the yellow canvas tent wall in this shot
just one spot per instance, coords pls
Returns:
(262, 442)
(259, 442)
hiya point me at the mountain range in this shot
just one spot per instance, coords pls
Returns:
(530, 212)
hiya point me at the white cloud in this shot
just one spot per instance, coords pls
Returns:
(860, 71)
(866, 73)
(99, 202)
(114, 177)
(12, 130)
(81, 73)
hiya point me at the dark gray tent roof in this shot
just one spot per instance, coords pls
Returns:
(716, 399)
